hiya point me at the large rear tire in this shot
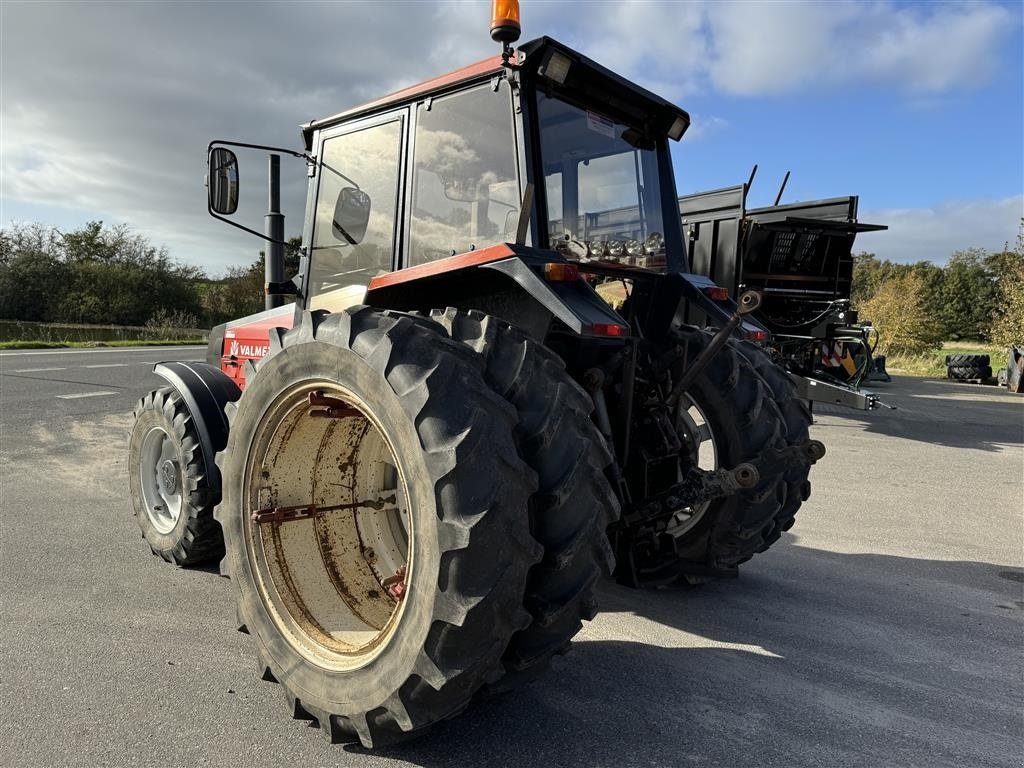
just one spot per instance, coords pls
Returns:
(729, 416)
(574, 503)
(171, 496)
(797, 420)
(415, 474)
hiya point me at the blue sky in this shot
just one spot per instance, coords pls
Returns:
(915, 107)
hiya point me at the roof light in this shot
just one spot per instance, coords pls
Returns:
(607, 329)
(716, 293)
(556, 67)
(505, 27)
(561, 272)
(755, 335)
(679, 126)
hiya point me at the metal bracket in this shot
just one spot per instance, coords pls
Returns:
(333, 407)
(306, 511)
(819, 391)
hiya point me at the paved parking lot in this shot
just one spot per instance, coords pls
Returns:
(886, 631)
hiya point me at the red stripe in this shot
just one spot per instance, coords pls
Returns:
(439, 267)
(492, 64)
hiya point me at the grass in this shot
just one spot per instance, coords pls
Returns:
(932, 365)
(26, 344)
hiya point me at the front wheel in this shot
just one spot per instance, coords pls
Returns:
(171, 495)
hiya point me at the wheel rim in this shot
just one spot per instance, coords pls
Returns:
(160, 471)
(334, 581)
(694, 430)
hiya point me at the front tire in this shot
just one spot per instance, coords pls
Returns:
(171, 496)
(420, 474)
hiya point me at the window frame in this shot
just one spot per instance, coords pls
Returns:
(515, 118)
(400, 115)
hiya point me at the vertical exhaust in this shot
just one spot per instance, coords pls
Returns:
(274, 229)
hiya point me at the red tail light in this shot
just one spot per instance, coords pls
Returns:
(716, 294)
(561, 272)
(755, 335)
(607, 329)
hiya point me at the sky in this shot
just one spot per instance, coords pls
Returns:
(106, 109)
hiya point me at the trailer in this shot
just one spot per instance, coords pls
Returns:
(798, 257)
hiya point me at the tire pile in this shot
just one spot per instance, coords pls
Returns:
(968, 367)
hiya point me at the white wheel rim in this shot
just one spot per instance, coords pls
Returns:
(162, 480)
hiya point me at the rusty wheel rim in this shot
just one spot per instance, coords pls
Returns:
(332, 563)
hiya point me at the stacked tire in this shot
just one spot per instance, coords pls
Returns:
(968, 367)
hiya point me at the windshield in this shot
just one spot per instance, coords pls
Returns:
(603, 193)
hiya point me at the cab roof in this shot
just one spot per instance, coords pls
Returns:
(587, 76)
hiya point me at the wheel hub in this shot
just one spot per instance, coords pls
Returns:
(169, 477)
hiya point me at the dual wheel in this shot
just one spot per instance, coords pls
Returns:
(418, 515)
(419, 508)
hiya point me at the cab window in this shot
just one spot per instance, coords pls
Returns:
(357, 170)
(465, 184)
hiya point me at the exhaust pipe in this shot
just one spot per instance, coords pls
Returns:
(274, 229)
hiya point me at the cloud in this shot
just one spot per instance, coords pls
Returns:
(933, 234)
(763, 48)
(108, 107)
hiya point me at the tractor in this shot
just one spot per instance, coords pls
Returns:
(418, 462)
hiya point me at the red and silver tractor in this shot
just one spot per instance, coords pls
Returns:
(417, 470)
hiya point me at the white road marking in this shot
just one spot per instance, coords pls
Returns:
(85, 394)
(101, 350)
(107, 365)
(35, 370)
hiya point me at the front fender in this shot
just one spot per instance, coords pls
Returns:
(205, 390)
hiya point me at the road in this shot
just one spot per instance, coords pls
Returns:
(886, 631)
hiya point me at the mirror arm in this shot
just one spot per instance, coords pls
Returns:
(302, 155)
(244, 228)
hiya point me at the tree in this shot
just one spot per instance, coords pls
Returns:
(966, 297)
(1007, 327)
(899, 311)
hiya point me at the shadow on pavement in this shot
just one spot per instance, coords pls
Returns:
(986, 417)
(820, 659)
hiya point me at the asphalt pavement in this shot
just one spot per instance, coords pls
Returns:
(885, 630)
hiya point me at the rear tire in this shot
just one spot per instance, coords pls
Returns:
(574, 503)
(363, 660)
(171, 496)
(797, 419)
(739, 409)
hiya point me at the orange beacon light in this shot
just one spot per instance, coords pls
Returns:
(505, 27)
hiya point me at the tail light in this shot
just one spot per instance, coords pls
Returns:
(607, 329)
(755, 335)
(561, 272)
(715, 293)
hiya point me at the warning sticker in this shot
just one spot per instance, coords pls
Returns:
(600, 124)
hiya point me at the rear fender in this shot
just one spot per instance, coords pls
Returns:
(205, 390)
(686, 299)
(506, 281)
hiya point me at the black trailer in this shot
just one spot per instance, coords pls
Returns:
(799, 257)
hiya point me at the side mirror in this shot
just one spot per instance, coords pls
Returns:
(351, 215)
(223, 181)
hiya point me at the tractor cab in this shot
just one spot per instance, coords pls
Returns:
(444, 169)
